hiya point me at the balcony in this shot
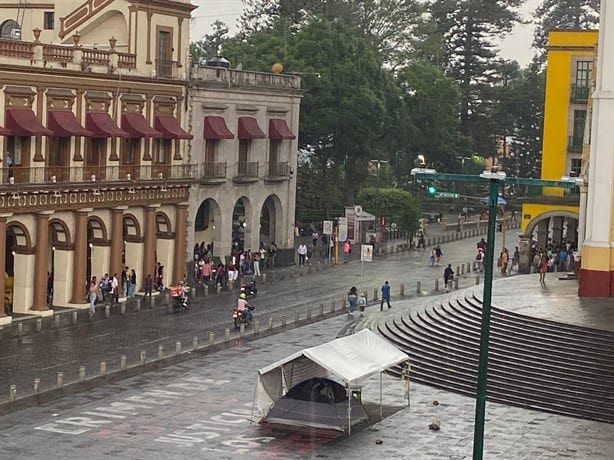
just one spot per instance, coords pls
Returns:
(69, 57)
(574, 144)
(212, 173)
(230, 78)
(279, 172)
(35, 177)
(247, 172)
(166, 69)
(579, 93)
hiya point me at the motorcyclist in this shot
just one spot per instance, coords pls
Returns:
(183, 296)
(244, 307)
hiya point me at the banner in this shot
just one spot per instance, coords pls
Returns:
(366, 252)
(327, 227)
(343, 229)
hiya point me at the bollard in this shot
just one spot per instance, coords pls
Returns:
(283, 320)
(211, 338)
(122, 362)
(343, 301)
(242, 330)
(455, 283)
(437, 284)
(270, 323)
(458, 269)
(59, 381)
(178, 347)
(308, 313)
(477, 280)
(468, 267)
(122, 308)
(39, 324)
(195, 343)
(462, 267)
(418, 289)
(321, 309)
(143, 354)
(137, 304)
(20, 329)
(332, 306)
(160, 351)
(12, 392)
(219, 288)
(37, 384)
(74, 317)
(103, 368)
(296, 316)
(263, 277)
(374, 294)
(107, 311)
(402, 290)
(256, 327)
(206, 290)
(56, 320)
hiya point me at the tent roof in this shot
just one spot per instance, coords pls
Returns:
(351, 359)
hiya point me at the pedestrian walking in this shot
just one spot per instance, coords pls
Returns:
(543, 269)
(448, 277)
(302, 252)
(347, 250)
(362, 302)
(148, 286)
(93, 294)
(438, 254)
(385, 296)
(132, 284)
(352, 300)
(115, 288)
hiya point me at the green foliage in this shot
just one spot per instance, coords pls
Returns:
(210, 44)
(395, 205)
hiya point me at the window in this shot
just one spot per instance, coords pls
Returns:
(48, 20)
(576, 167)
(162, 151)
(164, 63)
(274, 147)
(243, 150)
(209, 166)
(95, 157)
(579, 120)
(129, 157)
(58, 158)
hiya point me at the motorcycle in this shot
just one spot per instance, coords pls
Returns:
(180, 299)
(249, 288)
(239, 318)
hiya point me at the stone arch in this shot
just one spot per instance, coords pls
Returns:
(241, 212)
(529, 229)
(59, 233)
(271, 223)
(163, 224)
(7, 27)
(208, 223)
(23, 239)
(18, 244)
(131, 227)
(96, 229)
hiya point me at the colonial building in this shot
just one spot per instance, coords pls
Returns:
(95, 170)
(245, 127)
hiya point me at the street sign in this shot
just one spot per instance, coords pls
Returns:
(447, 195)
(327, 227)
(366, 252)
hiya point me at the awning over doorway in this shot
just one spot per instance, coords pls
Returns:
(63, 123)
(135, 125)
(102, 125)
(215, 128)
(278, 129)
(4, 132)
(23, 122)
(170, 128)
(249, 129)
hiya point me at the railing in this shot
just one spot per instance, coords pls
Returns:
(16, 49)
(279, 169)
(213, 171)
(76, 174)
(231, 77)
(248, 169)
(126, 61)
(95, 57)
(580, 92)
(574, 143)
(165, 68)
(57, 53)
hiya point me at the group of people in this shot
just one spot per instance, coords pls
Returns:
(359, 301)
(108, 289)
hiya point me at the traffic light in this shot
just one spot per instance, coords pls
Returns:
(431, 189)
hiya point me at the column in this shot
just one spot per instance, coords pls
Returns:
(149, 243)
(524, 247)
(542, 234)
(557, 229)
(181, 225)
(79, 282)
(596, 273)
(2, 264)
(117, 239)
(41, 252)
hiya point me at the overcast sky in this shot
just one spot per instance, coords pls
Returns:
(516, 46)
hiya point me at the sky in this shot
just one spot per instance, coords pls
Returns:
(516, 46)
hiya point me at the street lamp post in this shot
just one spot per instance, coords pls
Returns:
(377, 185)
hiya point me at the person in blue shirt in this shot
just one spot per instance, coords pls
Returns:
(385, 296)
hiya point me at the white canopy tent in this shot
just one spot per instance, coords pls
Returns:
(348, 360)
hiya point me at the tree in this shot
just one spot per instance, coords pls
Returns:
(395, 205)
(561, 15)
(469, 28)
(210, 44)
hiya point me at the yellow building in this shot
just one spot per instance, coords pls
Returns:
(553, 217)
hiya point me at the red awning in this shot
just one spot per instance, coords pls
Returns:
(63, 123)
(4, 132)
(215, 128)
(136, 126)
(249, 129)
(23, 122)
(102, 125)
(278, 129)
(170, 128)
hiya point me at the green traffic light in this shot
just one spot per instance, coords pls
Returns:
(432, 190)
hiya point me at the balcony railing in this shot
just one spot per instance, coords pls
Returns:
(238, 78)
(16, 49)
(62, 54)
(165, 68)
(213, 171)
(248, 169)
(279, 169)
(78, 174)
(574, 144)
(580, 92)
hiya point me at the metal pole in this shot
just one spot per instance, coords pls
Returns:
(480, 408)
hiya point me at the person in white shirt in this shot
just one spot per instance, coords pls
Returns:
(115, 288)
(302, 252)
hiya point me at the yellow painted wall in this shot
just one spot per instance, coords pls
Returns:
(563, 46)
(535, 210)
